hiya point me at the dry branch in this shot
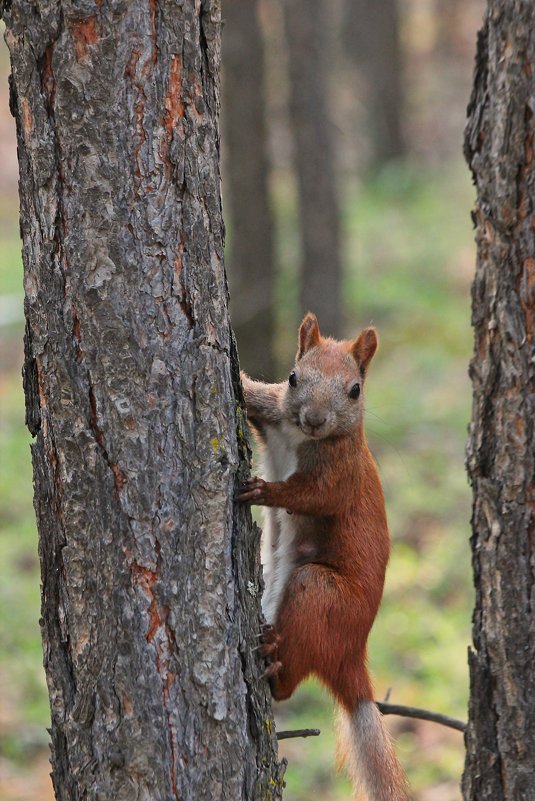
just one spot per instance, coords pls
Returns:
(420, 714)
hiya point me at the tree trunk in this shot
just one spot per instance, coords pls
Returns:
(449, 21)
(149, 574)
(372, 39)
(308, 42)
(501, 455)
(251, 257)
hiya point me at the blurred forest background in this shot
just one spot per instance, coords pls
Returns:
(345, 192)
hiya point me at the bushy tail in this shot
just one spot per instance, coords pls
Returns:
(364, 746)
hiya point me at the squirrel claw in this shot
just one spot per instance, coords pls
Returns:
(271, 670)
(269, 635)
(267, 648)
(266, 628)
(269, 642)
(253, 490)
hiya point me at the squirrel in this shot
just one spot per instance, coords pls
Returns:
(325, 543)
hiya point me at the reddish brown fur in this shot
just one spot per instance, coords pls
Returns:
(330, 602)
(341, 543)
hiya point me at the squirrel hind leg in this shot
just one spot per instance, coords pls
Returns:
(283, 684)
(316, 635)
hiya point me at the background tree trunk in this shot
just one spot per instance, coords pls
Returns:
(501, 456)
(251, 257)
(448, 14)
(308, 42)
(149, 573)
(372, 40)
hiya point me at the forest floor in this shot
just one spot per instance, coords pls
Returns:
(410, 260)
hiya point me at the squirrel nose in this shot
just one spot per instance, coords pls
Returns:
(314, 419)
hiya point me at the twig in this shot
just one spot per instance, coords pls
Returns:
(420, 714)
(285, 735)
(388, 709)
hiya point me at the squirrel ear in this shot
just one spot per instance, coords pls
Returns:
(364, 347)
(309, 334)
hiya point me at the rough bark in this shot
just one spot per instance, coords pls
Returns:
(149, 573)
(501, 456)
(251, 256)
(371, 33)
(308, 42)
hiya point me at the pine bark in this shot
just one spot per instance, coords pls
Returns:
(308, 41)
(501, 455)
(251, 256)
(150, 575)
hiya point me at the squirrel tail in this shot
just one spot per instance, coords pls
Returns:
(364, 746)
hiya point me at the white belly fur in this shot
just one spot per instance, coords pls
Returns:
(279, 462)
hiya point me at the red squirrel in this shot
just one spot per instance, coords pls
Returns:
(325, 542)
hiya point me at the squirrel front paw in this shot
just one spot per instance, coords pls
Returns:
(255, 490)
(273, 669)
(269, 641)
(246, 383)
(268, 649)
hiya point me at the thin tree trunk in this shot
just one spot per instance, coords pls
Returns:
(449, 20)
(372, 39)
(308, 41)
(149, 573)
(251, 258)
(501, 454)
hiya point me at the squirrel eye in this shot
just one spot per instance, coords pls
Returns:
(292, 379)
(354, 392)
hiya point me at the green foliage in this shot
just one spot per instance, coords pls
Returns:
(22, 683)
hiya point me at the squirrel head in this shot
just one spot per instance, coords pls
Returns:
(324, 394)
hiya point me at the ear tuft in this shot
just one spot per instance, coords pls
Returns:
(309, 334)
(364, 347)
